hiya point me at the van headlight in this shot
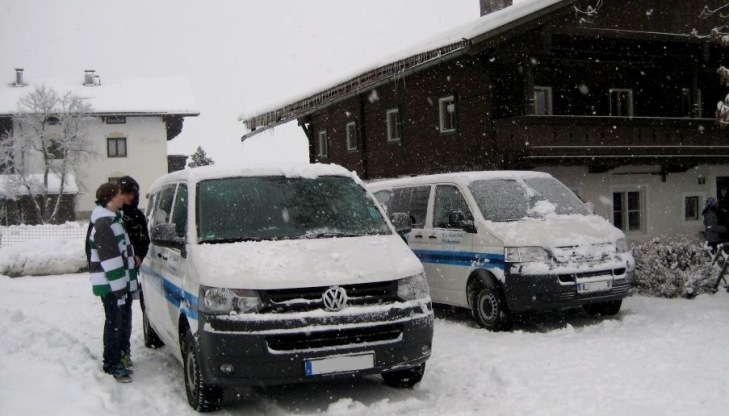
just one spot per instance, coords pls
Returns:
(413, 287)
(525, 254)
(218, 300)
(622, 246)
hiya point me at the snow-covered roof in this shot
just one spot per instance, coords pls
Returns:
(465, 177)
(134, 96)
(295, 170)
(10, 185)
(444, 46)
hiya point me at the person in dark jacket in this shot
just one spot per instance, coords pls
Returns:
(714, 231)
(136, 226)
(112, 273)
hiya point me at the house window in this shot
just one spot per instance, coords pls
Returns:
(447, 114)
(629, 210)
(116, 120)
(621, 102)
(691, 208)
(55, 149)
(393, 125)
(351, 135)
(53, 121)
(543, 101)
(116, 147)
(114, 179)
(323, 148)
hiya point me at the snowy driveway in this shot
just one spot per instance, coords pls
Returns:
(657, 357)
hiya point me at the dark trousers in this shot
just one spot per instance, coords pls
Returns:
(113, 331)
(126, 326)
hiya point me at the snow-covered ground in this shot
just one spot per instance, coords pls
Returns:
(657, 357)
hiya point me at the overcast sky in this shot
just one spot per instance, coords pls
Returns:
(237, 54)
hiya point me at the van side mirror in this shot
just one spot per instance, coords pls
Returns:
(457, 219)
(402, 222)
(165, 235)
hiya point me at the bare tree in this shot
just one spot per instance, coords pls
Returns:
(719, 35)
(49, 145)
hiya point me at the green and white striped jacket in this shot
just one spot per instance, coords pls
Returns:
(111, 261)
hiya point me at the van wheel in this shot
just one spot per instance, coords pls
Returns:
(404, 378)
(201, 396)
(151, 339)
(489, 309)
(603, 308)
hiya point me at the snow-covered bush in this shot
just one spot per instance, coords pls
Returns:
(671, 267)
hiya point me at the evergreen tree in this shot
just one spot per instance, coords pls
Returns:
(199, 158)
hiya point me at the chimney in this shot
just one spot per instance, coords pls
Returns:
(89, 77)
(489, 6)
(19, 78)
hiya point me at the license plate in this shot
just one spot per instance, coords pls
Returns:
(589, 287)
(339, 364)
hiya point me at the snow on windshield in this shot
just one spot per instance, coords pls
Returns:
(502, 200)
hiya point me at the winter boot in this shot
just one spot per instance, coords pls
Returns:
(126, 359)
(120, 374)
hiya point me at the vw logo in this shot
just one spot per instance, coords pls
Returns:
(334, 298)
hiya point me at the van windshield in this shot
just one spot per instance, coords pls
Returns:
(503, 200)
(272, 208)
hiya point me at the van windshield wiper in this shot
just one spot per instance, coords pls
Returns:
(329, 234)
(229, 240)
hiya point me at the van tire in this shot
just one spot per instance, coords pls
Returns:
(406, 378)
(201, 396)
(489, 308)
(603, 308)
(151, 339)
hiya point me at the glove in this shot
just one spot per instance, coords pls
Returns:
(121, 296)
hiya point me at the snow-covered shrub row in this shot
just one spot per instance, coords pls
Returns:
(672, 267)
(47, 255)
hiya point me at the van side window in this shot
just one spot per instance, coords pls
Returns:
(179, 211)
(163, 205)
(412, 201)
(447, 200)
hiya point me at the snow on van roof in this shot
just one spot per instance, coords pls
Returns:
(467, 177)
(296, 170)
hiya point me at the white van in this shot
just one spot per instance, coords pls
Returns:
(274, 275)
(507, 241)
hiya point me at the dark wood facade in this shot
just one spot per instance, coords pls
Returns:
(643, 46)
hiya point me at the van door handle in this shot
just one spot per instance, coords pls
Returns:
(418, 236)
(161, 256)
(433, 236)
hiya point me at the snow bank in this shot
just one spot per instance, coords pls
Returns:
(43, 257)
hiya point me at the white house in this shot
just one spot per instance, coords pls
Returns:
(132, 121)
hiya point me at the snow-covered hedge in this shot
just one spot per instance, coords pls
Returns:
(47, 250)
(672, 267)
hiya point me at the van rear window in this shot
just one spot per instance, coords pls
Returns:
(272, 208)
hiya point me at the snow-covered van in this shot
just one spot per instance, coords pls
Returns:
(274, 275)
(503, 242)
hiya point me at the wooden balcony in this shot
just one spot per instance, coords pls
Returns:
(606, 142)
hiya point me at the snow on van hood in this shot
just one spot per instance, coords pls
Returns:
(304, 263)
(555, 231)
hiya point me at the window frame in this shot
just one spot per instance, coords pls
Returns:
(322, 145)
(443, 103)
(547, 98)
(619, 91)
(117, 140)
(626, 211)
(351, 136)
(396, 127)
(115, 120)
(699, 199)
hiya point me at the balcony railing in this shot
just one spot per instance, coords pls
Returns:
(612, 140)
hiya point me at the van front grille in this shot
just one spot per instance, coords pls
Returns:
(334, 338)
(307, 299)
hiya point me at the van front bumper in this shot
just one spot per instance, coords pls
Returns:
(534, 292)
(272, 349)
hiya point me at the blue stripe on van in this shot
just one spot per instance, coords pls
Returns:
(174, 294)
(461, 258)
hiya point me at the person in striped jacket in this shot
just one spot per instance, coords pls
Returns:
(112, 273)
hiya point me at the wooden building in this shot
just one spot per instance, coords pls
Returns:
(618, 104)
